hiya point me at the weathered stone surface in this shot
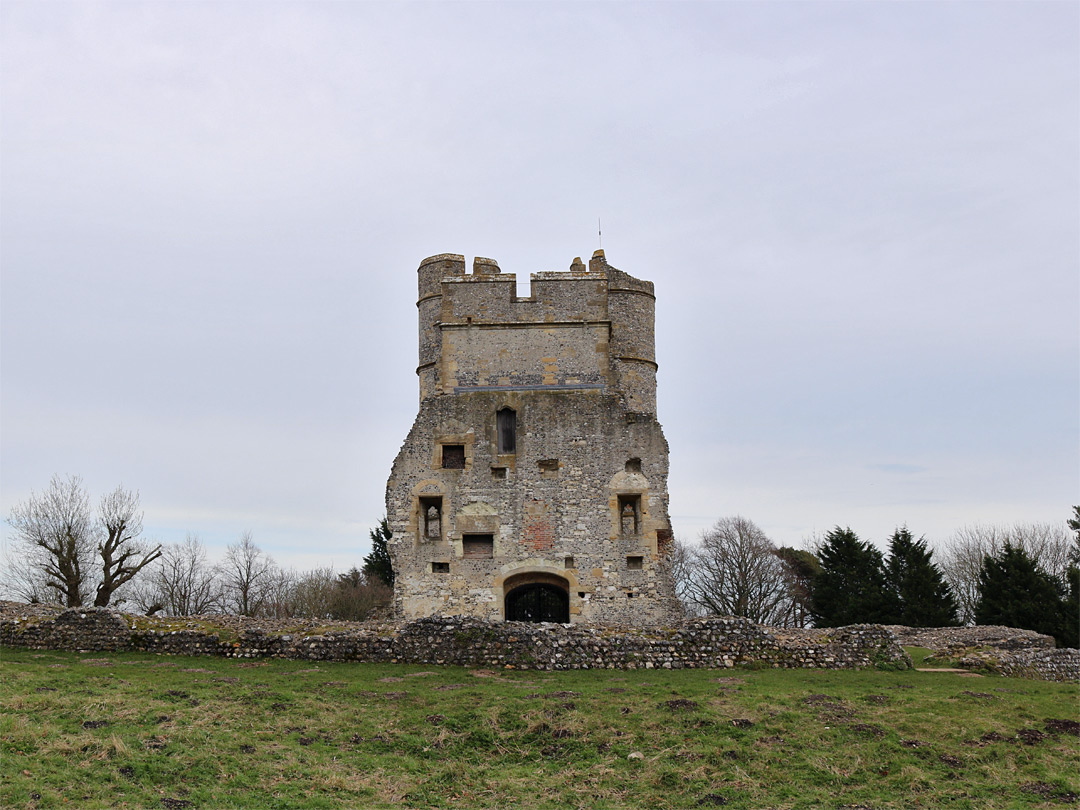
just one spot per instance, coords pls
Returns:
(577, 501)
(463, 641)
(1005, 650)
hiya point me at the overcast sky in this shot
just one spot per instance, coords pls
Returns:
(861, 220)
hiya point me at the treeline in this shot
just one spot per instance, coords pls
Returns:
(67, 551)
(1025, 576)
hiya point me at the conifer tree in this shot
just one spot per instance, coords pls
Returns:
(1015, 592)
(851, 588)
(1070, 622)
(922, 597)
(377, 564)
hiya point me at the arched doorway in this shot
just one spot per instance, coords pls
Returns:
(537, 598)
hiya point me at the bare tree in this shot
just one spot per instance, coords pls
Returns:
(280, 594)
(22, 579)
(183, 583)
(800, 568)
(735, 572)
(313, 594)
(121, 552)
(247, 576)
(356, 595)
(57, 534)
(1048, 544)
(680, 562)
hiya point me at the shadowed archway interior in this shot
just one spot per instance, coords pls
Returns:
(538, 598)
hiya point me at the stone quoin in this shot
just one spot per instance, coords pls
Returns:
(533, 483)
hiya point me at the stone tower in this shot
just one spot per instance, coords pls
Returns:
(533, 484)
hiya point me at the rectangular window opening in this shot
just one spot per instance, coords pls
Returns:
(635, 563)
(498, 473)
(506, 427)
(440, 568)
(568, 562)
(478, 546)
(453, 456)
(629, 515)
(430, 522)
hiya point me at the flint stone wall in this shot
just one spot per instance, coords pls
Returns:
(1006, 650)
(702, 643)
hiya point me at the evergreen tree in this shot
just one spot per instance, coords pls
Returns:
(377, 564)
(1015, 592)
(923, 599)
(851, 588)
(1070, 621)
(1069, 633)
(800, 569)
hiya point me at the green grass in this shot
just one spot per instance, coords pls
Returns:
(215, 733)
(919, 654)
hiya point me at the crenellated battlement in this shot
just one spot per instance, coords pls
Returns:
(589, 328)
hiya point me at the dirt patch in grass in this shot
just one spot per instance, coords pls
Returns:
(711, 800)
(868, 729)
(1049, 792)
(985, 739)
(913, 743)
(977, 695)
(1030, 736)
(679, 705)
(96, 662)
(830, 709)
(91, 724)
(1062, 726)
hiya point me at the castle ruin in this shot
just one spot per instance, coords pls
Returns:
(533, 484)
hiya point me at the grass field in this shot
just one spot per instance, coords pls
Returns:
(131, 730)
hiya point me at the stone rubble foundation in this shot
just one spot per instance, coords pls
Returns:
(1004, 650)
(701, 643)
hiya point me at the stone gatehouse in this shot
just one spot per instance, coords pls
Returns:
(533, 484)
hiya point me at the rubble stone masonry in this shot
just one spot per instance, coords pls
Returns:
(536, 467)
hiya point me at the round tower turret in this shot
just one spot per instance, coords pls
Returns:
(430, 274)
(632, 310)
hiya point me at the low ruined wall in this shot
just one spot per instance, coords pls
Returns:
(1005, 650)
(715, 642)
(943, 639)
